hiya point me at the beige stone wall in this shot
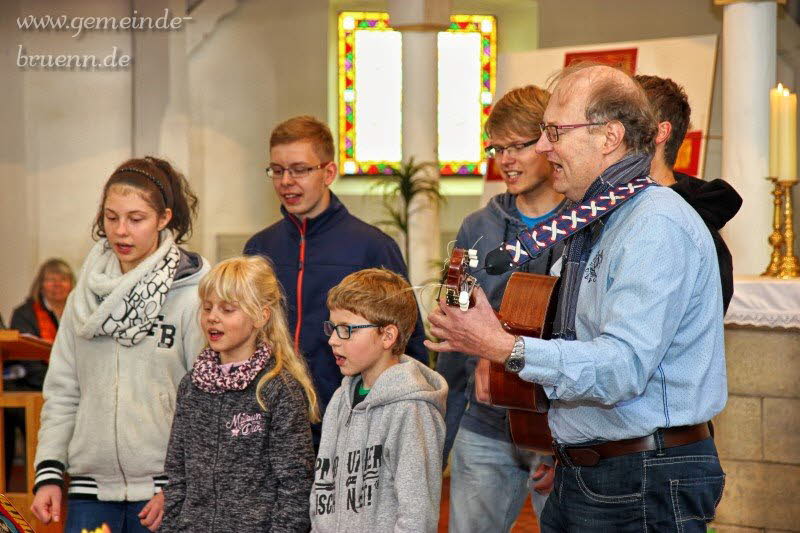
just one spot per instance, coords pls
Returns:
(758, 433)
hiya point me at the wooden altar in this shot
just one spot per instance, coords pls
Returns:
(17, 346)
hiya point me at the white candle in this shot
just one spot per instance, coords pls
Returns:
(774, 112)
(787, 169)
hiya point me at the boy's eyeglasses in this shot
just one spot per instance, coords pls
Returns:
(277, 173)
(497, 151)
(343, 330)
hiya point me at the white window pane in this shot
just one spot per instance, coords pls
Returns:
(379, 84)
(459, 96)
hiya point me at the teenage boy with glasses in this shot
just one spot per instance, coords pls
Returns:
(490, 477)
(317, 243)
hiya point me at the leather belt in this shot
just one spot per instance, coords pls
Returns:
(670, 437)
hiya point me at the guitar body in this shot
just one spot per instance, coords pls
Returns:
(528, 309)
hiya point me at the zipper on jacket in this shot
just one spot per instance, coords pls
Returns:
(340, 487)
(301, 226)
(116, 421)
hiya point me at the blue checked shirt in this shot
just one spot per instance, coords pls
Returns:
(649, 351)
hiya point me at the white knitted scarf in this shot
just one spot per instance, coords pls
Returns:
(125, 306)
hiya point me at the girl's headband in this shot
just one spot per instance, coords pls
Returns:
(150, 177)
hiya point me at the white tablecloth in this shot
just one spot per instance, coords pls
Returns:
(765, 302)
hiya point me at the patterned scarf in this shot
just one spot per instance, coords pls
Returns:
(579, 245)
(130, 322)
(123, 306)
(207, 375)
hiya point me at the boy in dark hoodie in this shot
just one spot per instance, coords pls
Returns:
(379, 462)
(715, 201)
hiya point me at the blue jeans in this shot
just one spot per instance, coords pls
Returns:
(489, 481)
(121, 517)
(676, 489)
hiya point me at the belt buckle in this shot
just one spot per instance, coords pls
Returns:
(558, 452)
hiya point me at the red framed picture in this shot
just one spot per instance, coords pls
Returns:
(688, 160)
(623, 58)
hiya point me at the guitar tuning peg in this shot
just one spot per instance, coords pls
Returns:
(463, 300)
(472, 253)
(473, 262)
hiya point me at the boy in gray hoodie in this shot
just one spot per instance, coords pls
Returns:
(379, 462)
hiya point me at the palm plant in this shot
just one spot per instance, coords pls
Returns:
(400, 188)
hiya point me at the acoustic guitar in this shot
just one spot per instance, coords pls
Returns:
(527, 309)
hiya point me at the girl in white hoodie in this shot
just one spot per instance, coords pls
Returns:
(128, 334)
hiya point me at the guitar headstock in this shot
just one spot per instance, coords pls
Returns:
(458, 283)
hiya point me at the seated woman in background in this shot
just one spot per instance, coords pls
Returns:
(39, 316)
(40, 313)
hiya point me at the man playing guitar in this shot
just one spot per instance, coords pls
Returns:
(489, 475)
(636, 368)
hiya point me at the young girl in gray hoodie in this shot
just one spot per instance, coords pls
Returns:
(379, 461)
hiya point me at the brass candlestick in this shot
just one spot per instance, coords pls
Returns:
(790, 266)
(775, 238)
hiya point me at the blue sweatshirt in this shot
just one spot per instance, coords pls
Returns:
(310, 257)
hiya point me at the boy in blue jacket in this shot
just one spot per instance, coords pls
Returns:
(317, 243)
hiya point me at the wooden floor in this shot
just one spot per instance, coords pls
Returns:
(526, 523)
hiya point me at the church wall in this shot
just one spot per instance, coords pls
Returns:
(265, 62)
(626, 20)
(17, 222)
(65, 132)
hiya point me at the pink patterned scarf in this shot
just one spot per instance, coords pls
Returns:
(208, 376)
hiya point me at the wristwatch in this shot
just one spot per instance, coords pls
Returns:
(515, 361)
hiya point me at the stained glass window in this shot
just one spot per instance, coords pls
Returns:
(370, 100)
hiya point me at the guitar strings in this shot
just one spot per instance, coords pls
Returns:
(422, 293)
(428, 303)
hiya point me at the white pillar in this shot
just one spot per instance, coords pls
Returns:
(748, 72)
(420, 21)
(420, 141)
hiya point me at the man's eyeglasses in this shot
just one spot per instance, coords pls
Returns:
(496, 151)
(552, 130)
(298, 172)
(343, 330)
